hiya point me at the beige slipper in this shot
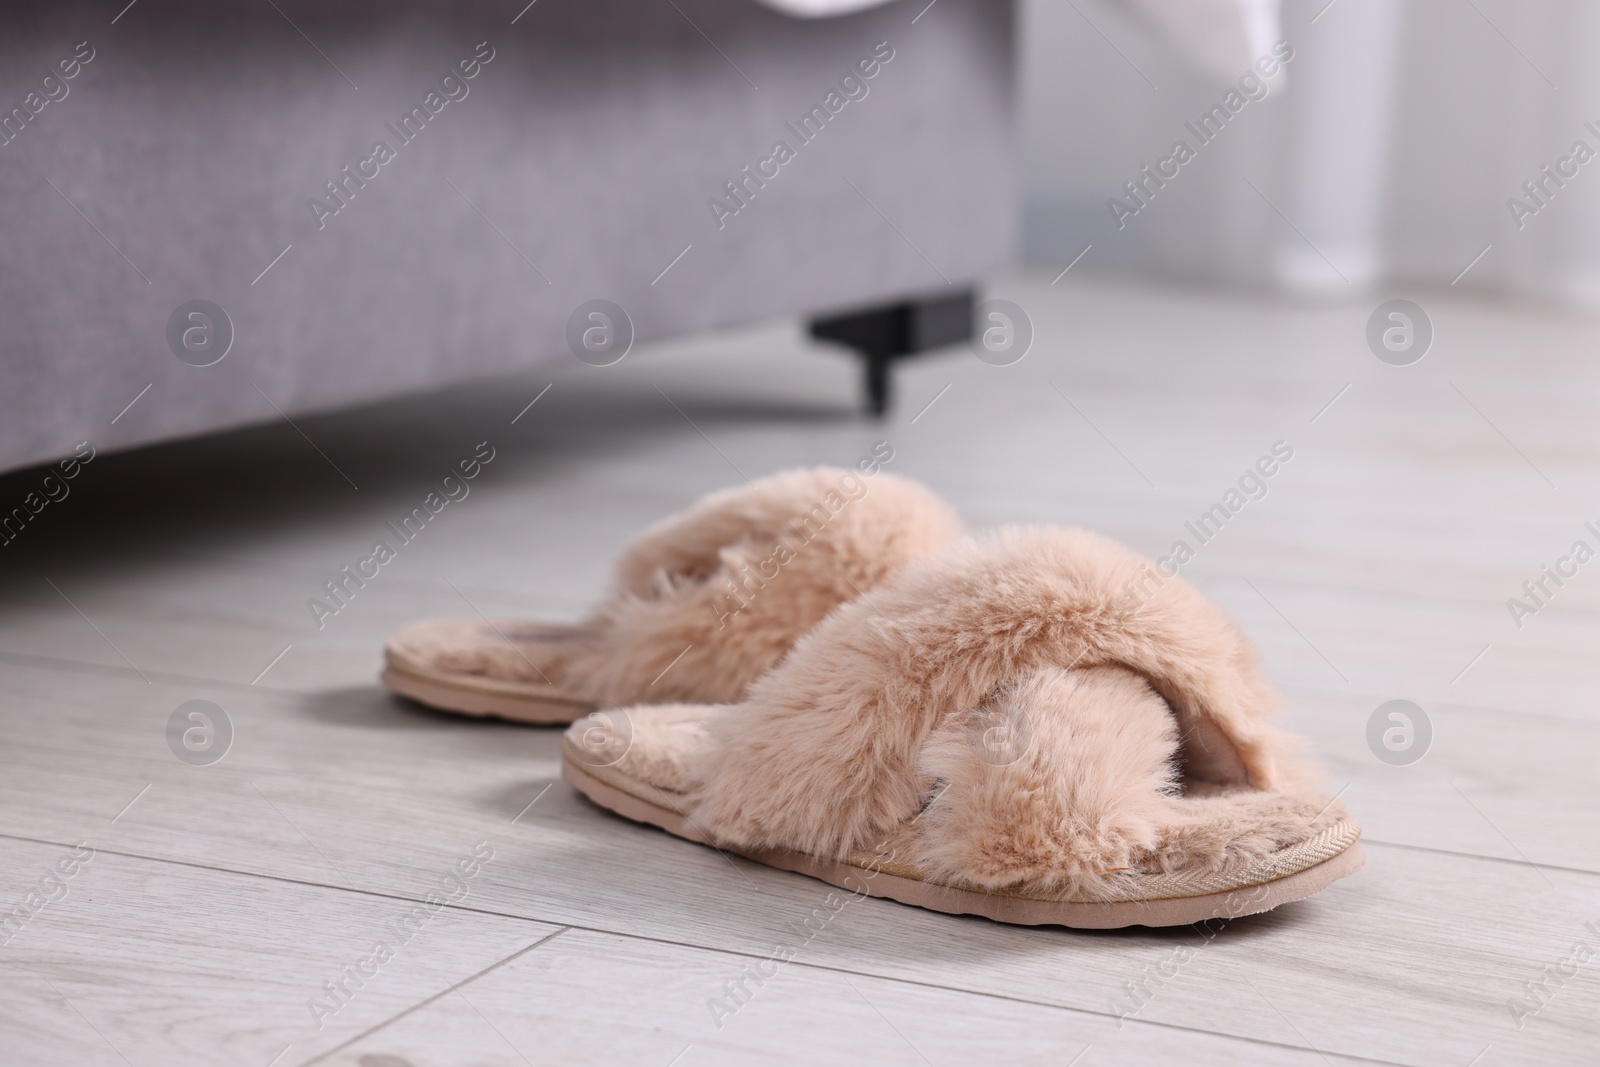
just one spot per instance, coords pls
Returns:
(704, 602)
(1000, 731)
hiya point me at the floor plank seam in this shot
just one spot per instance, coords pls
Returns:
(1179, 1027)
(283, 879)
(75, 666)
(717, 949)
(423, 1003)
(1511, 860)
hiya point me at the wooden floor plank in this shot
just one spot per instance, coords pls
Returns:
(644, 1002)
(1378, 566)
(356, 790)
(142, 962)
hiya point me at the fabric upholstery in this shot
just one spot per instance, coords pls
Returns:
(588, 147)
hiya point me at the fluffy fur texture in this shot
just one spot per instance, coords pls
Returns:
(740, 576)
(656, 744)
(509, 649)
(735, 580)
(873, 712)
(1079, 785)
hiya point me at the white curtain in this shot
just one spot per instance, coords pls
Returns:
(1385, 152)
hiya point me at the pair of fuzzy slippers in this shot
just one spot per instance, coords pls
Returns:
(823, 672)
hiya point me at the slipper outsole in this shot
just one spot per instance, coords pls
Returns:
(483, 697)
(1248, 897)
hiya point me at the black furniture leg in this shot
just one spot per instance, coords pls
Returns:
(887, 333)
(875, 367)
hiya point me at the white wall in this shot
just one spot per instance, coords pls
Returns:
(1390, 142)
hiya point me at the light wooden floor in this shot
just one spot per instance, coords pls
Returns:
(221, 898)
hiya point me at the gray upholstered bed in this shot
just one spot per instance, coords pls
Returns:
(574, 150)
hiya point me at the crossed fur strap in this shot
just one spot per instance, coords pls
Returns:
(708, 599)
(838, 746)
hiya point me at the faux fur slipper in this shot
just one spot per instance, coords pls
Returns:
(703, 604)
(999, 730)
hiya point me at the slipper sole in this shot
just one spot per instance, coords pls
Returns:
(1247, 898)
(487, 697)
